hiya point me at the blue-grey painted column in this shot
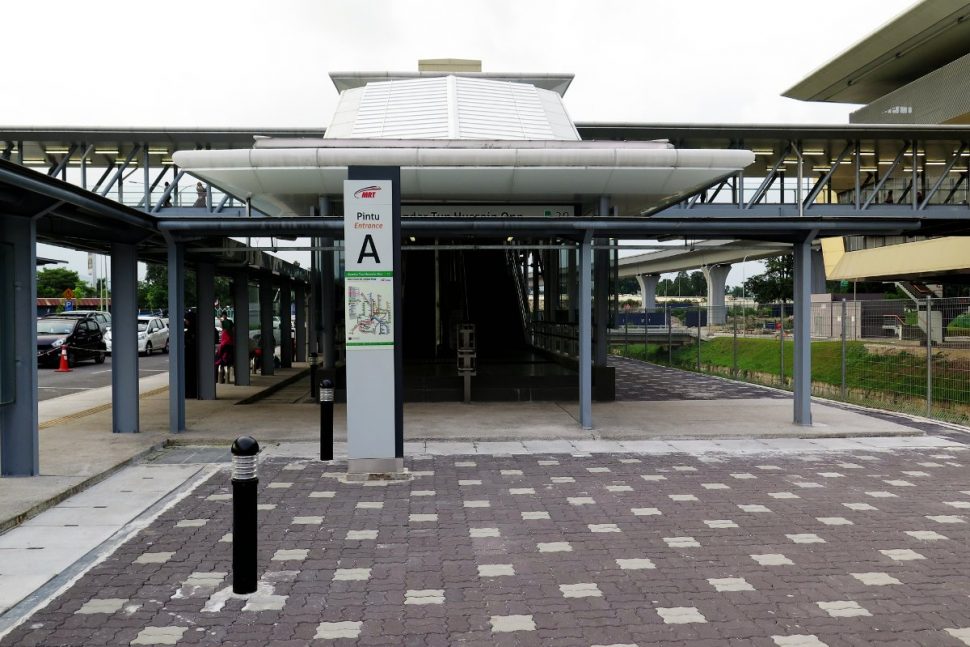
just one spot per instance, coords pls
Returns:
(601, 287)
(313, 302)
(716, 278)
(240, 302)
(573, 290)
(286, 324)
(19, 444)
(267, 342)
(124, 337)
(328, 308)
(818, 272)
(585, 334)
(206, 291)
(176, 337)
(802, 366)
(300, 298)
(648, 290)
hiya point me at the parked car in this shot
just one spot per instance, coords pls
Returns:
(81, 335)
(153, 335)
(103, 318)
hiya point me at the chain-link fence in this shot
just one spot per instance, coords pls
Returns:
(896, 354)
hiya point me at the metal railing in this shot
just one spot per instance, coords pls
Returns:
(896, 354)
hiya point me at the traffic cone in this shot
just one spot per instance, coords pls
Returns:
(63, 368)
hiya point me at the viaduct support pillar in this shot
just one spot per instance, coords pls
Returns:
(648, 290)
(716, 277)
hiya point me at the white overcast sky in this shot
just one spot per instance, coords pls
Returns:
(221, 63)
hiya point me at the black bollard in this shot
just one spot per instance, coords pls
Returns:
(244, 481)
(314, 385)
(326, 420)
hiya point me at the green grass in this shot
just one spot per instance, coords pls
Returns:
(960, 325)
(901, 373)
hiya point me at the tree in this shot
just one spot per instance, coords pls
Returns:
(52, 281)
(153, 291)
(776, 283)
(627, 285)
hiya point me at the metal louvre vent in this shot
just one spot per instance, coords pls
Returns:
(937, 98)
(455, 107)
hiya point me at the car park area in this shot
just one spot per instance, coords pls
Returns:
(52, 384)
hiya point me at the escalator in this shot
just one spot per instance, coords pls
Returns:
(443, 288)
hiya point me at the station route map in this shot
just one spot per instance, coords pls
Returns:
(369, 309)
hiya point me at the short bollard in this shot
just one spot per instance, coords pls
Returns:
(244, 482)
(326, 420)
(314, 385)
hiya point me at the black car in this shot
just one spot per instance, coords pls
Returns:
(82, 336)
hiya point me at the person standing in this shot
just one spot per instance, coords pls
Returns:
(225, 353)
(200, 192)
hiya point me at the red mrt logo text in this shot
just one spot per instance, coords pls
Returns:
(367, 192)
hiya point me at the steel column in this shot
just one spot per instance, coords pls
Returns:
(601, 297)
(328, 307)
(267, 343)
(124, 333)
(573, 285)
(313, 310)
(19, 443)
(286, 325)
(802, 366)
(176, 341)
(300, 294)
(585, 334)
(240, 302)
(205, 289)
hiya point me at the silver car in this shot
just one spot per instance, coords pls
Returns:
(153, 335)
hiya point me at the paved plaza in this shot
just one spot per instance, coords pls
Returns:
(712, 548)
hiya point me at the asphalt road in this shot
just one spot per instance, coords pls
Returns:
(88, 375)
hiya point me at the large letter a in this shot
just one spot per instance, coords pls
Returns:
(368, 242)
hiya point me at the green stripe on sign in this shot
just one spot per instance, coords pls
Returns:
(357, 275)
(370, 343)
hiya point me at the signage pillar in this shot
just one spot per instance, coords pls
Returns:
(373, 330)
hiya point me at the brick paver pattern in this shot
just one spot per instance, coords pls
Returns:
(641, 381)
(826, 549)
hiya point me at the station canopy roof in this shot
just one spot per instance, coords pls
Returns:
(923, 38)
(461, 138)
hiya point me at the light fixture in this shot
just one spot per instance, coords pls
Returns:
(157, 151)
(934, 162)
(817, 151)
(763, 151)
(868, 169)
(411, 238)
(821, 169)
(167, 161)
(509, 239)
(56, 150)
